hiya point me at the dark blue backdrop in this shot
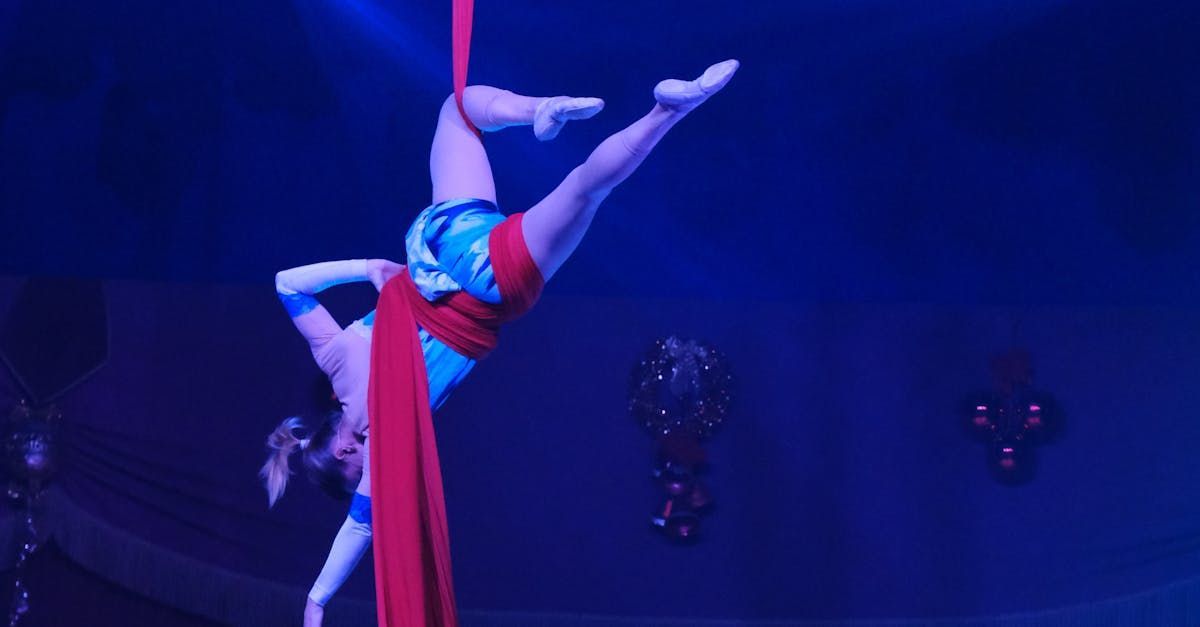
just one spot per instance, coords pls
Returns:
(884, 193)
(949, 151)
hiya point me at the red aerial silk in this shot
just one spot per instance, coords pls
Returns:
(413, 584)
(462, 12)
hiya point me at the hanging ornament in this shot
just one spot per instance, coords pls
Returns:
(680, 393)
(982, 420)
(1007, 456)
(681, 385)
(30, 459)
(1035, 420)
(678, 523)
(1012, 418)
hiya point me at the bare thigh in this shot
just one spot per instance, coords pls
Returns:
(458, 163)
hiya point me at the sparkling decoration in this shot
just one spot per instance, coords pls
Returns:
(30, 459)
(1012, 419)
(680, 393)
(681, 385)
(20, 600)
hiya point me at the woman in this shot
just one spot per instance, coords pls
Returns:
(451, 248)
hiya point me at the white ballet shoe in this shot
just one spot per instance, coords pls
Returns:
(687, 95)
(552, 113)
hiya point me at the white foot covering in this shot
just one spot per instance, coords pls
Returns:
(553, 113)
(687, 95)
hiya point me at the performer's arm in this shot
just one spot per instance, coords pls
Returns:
(350, 543)
(380, 271)
(314, 614)
(297, 288)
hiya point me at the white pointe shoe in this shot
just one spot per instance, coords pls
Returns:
(687, 95)
(553, 113)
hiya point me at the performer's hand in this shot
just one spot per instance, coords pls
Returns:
(313, 614)
(380, 271)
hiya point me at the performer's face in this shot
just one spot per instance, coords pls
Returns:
(347, 447)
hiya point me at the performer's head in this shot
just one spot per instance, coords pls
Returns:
(332, 457)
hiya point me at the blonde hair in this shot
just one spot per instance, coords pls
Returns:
(320, 463)
(280, 445)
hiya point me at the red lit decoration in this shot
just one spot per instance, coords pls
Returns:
(1012, 418)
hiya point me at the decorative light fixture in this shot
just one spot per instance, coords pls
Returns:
(1012, 418)
(680, 393)
(30, 463)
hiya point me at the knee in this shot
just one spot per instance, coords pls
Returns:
(449, 113)
(449, 105)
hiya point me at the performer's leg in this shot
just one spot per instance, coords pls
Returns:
(458, 164)
(554, 227)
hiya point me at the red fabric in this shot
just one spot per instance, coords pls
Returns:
(413, 582)
(470, 326)
(517, 276)
(460, 44)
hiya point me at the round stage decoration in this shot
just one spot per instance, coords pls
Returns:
(681, 385)
(680, 392)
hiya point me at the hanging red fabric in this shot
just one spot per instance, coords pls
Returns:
(462, 15)
(414, 586)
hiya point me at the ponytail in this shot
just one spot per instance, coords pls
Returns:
(280, 444)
